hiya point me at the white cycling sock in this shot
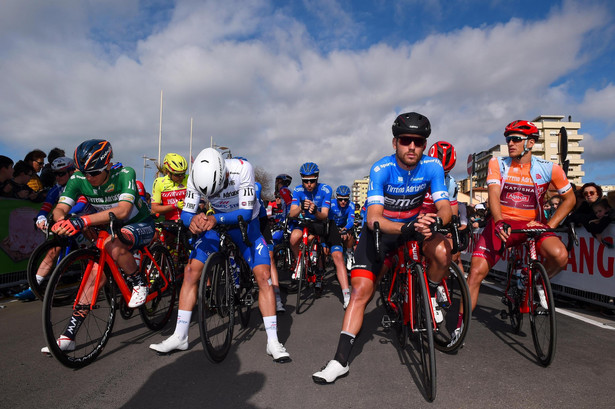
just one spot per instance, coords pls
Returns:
(346, 293)
(39, 279)
(183, 323)
(271, 327)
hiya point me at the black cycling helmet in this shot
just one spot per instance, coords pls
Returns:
(94, 154)
(411, 123)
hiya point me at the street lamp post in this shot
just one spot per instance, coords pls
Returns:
(223, 149)
(146, 165)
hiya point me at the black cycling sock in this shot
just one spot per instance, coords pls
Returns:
(75, 322)
(344, 347)
(135, 279)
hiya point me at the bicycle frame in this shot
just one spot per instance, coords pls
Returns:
(525, 253)
(98, 269)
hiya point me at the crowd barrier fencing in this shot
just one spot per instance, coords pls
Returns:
(589, 274)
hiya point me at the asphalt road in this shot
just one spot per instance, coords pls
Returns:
(496, 368)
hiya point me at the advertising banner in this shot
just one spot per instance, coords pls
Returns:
(18, 234)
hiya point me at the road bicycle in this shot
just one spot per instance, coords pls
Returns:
(282, 254)
(309, 269)
(88, 282)
(410, 309)
(528, 291)
(226, 285)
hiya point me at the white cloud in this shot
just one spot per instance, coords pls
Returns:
(600, 104)
(252, 78)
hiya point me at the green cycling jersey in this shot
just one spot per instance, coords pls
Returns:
(121, 186)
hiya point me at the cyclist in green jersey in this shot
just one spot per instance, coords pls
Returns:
(108, 190)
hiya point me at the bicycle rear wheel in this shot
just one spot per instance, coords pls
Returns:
(156, 312)
(449, 337)
(55, 248)
(216, 308)
(424, 341)
(542, 315)
(92, 335)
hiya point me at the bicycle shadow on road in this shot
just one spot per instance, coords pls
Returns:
(182, 384)
(489, 317)
(373, 330)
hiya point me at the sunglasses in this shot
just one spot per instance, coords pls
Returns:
(178, 174)
(343, 199)
(589, 193)
(309, 180)
(60, 174)
(40, 162)
(94, 173)
(407, 140)
(515, 139)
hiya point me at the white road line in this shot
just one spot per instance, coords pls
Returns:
(563, 311)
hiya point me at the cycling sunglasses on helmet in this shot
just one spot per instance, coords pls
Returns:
(407, 140)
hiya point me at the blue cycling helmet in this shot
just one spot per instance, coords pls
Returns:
(309, 169)
(342, 190)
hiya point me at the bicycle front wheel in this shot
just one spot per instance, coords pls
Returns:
(216, 308)
(424, 330)
(542, 315)
(43, 261)
(159, 273)
(302, 284)
(89, 325)
(456, 311)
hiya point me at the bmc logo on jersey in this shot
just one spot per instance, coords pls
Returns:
(402, 203)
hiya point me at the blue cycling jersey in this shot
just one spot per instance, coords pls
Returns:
(81, 206)
(342, 216)
(321, 196)
(400, 191)
(257, 191)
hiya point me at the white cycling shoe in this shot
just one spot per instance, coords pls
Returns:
(65, 343)
(330, 372)
(171, 344)
(139, 295)
(278, 352)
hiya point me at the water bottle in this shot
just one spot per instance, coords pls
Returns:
(234, 270)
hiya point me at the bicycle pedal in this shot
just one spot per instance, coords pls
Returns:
(248, 300)
(386, 321)
(503, 314)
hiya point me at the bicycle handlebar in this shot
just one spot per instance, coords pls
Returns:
(569, 229)
(117, 230)
(243, 228)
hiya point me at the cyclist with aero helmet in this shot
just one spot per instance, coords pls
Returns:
(342, 213)
(228, 185)
(169, 191)
(312, 200)
(108, 190)
(516, 186)
(397, 187)
(62, 168)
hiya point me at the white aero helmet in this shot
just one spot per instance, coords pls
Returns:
(208, 172)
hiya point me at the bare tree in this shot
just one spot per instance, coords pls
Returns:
(266, 181)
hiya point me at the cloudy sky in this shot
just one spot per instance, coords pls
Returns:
(285, 82)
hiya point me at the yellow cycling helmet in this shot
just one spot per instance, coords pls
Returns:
(175, 163)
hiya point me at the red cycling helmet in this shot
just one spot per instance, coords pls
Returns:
(446, 153)
(523, 127)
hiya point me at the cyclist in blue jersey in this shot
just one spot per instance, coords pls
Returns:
(342, 214)
(312, 200)
(396, 190)
(228, 185)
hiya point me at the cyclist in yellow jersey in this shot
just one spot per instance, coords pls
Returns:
(169, 191)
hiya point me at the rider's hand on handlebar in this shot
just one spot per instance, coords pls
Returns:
(71, 226)
(502, 229)
(309, 206)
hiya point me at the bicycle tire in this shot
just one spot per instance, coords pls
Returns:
(157, 312)
(94, 332)
(282, 255)
(35, 260)
(301, 280)
(542, 320)
(244, 306)
(514, 312)
(459, 301)
(216, 308)
(424, 328)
